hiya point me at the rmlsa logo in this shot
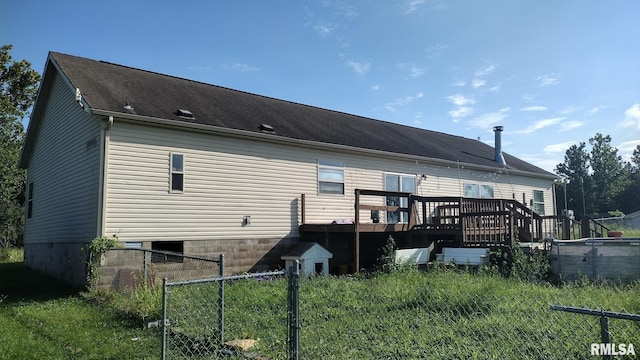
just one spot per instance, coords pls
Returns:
(612, 349)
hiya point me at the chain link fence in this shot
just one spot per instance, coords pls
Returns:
(227, 316)
(405, 314)
(447, 315)
(128, 268)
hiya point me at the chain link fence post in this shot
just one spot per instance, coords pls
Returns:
(293, 305)
(605, 335)
(165, 294)
(221, 300)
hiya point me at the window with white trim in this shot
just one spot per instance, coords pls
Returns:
(401, 183)
(478, 191)
(176, 173)
(330, 177)
(538, 202)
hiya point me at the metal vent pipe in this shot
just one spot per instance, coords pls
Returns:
(499, 158)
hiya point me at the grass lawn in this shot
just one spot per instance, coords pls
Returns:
(43, 319)
(408, 314)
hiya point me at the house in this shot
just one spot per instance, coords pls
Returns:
(177, 165)
(632, 220)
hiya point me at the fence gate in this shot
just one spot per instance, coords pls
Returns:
(252, 314)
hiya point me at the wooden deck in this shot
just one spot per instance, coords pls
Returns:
(467, 222)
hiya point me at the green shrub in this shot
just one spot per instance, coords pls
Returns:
(93, 251)
(11, 254)
(515, 263)
(387, 260)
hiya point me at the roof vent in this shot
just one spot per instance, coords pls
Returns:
(499, 158)
(267, 128)
(185, 114)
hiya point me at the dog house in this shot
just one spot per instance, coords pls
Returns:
(313, 258)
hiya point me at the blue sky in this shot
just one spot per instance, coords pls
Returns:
(553, 73)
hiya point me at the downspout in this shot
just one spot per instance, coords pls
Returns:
(102, 182)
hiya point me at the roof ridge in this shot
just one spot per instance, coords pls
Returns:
(259, 95)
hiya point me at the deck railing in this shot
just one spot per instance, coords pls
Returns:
(478, 221)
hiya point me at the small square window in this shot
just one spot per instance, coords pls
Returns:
(330, 177)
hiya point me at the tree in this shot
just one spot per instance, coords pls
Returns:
(609, 174)
(18, 88)
(574, 172)
(628, 199)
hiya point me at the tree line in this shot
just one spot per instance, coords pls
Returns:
(596, 181)
(18, 88)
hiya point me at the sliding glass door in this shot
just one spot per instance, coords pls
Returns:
(402, 183)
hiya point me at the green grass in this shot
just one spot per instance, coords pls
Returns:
(44, 319)
(407, 314)
(412, 314)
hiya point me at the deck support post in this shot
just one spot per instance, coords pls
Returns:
(357, 232)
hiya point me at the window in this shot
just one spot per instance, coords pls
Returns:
(176, 173)
(166, 250)
(478, 191)
(330, 177)
(538, 202)
(486, 191)
(402, 183)
(30, 201)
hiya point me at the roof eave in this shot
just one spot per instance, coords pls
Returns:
(306, 143)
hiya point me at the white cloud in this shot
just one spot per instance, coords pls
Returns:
(484, 71)
(569, 110)
(325, 29)
(625, 149)
(459, 83)
(460, 112)
(436, 50)
(375, 87)
(541, 124)
(412, 5)
(391, 106)
(596, 109)
(243, 67)
(632, 116)
(486, 121)
(534, 108)
(347, 11)
(476, 83)
(570, 125)
(479, 74)
(460, 100)
(547, 80)
(358, 67)
(412, 69)
(528, 97)
(559, 148)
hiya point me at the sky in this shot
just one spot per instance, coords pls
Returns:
(553, 73)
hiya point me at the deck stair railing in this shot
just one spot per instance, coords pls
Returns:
(480, 221)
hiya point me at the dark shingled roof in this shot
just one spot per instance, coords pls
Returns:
(106, 86)
(300, 249)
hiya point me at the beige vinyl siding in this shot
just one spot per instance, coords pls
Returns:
(227, 178)
(64, 169)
